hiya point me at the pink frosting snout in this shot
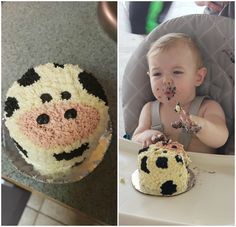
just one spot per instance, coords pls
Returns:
(59, 124)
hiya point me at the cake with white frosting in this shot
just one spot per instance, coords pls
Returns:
(56, 115)
(163, 169)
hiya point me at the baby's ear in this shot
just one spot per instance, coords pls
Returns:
(200, 76)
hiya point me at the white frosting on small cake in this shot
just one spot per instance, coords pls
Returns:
(163, 169)
(56, 115)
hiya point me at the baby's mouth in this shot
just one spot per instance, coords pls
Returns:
(170, 92)
(73, 154)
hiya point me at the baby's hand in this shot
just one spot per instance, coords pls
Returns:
(149, 137)
(185, 121)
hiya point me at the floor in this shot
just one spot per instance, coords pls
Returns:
(128, 42)
(14, 200)
(43, 211)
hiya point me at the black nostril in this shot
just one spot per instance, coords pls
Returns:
(43, 119)
(71, 113)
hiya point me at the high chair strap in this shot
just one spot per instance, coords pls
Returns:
(155, 117)
(184, 137)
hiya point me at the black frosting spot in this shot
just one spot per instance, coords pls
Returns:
(65, 95)
(71, 113)
(162, 162)
(75, 153)
(168, 188)
(164, 151)
(178, 158)
(144, 165)
(28, 78)
(43, 119)
(21, 149)
(46, 97)
(142, 150)
(173, 146)
(11, 104)
(91, 84)
(58, 65)
(77, 163)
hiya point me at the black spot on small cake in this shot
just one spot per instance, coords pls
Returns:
(173, 146)
(58, 65)
(65, 95)
(28, 78)
(73, 154)
(168, 188)
(144, 165)
(91, 84)
(71, 113)
(77, 163)
(11, 104)
(165, 151)
(46, 97)
(178, 158)
(162, 162)
(21, 149)
(142, 150)
(42, 119)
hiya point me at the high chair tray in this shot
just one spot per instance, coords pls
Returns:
(209, 202)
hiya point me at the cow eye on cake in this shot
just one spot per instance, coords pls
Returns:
(56, 115)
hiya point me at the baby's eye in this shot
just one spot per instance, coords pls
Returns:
(156, 74)
(177, 72)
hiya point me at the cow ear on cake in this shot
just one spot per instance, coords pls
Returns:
(11, 104)
(91, 84)
(29, 78)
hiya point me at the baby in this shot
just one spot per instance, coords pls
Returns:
(175, 70)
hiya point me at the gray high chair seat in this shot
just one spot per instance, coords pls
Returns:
(215, 38)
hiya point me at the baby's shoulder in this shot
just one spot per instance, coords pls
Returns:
(209, 105)
(148, 105)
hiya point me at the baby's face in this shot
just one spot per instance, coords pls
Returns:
(173, 74)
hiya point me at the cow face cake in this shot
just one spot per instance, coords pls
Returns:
(56, 115)
(163, 169)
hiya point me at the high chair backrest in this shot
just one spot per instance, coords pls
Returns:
(215, 38)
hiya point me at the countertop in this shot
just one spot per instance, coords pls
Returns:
(34, 33)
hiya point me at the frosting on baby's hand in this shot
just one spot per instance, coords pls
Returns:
(185, 122)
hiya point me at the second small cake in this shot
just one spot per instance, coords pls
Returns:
(163, 169)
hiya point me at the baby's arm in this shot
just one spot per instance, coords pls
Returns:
(214, 132)
(143, 134)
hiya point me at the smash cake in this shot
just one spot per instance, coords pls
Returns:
(163, 169)
(55, 115)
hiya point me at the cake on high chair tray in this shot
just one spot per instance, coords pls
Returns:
(163, 169)
(56, 115)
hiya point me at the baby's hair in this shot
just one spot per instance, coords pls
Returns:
(171, 39)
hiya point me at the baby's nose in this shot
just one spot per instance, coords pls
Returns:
(167, 80)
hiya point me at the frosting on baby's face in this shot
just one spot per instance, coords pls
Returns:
(173, 74)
